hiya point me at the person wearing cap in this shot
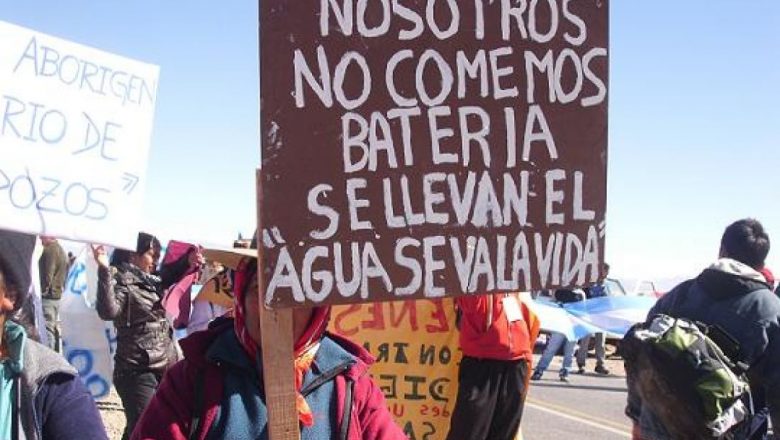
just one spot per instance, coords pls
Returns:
(130, 292)
(214, 299)
(217, 390)
(41, 395)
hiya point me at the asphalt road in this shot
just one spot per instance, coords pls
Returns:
(588, 407)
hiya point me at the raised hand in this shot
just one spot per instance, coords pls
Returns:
(101, 257)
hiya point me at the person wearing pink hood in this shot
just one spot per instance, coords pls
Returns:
(217, 391)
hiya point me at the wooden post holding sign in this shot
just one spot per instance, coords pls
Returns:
(276, 334)
(426, 149)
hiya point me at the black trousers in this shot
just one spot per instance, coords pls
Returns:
(136, 389)
(490, 399)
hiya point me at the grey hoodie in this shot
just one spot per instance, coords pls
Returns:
(63, 407)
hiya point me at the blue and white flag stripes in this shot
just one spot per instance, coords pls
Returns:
(613, 315)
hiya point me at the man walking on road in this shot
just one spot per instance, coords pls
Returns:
(497, 333)
(53, 270)
(732, 295)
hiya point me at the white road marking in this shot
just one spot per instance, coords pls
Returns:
(569, 414)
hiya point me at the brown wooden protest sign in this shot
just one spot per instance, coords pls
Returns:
(431, 148)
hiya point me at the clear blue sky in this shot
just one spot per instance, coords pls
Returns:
(694, 118)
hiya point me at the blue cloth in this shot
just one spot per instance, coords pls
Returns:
(10, 368)
(553, 345)
(612, 315)
(243, 413)
(556, 318)
(66, 410)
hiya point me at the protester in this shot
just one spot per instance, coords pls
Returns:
(554, 344)
(595, 291)
(71, 260)
(53, 270)
(214, 299)
(41, 395)
(217, 390)
(130, 293)
(732, 295)
(497, 333)
(558, 340)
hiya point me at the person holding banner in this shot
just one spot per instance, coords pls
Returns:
(130, 293)
(496, 337)
(597, 290)
(217, 390)
(558, 340)
(41, 395)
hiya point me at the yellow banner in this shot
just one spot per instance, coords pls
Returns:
(416, 347)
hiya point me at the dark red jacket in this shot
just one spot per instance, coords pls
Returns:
(170, 414)
(486, 333)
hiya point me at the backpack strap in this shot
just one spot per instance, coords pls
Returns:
(346, 418)
(15, 405)
(195, 424)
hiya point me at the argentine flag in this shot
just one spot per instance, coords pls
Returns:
(612, 315)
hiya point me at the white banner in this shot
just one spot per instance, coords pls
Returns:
(88, 342)
(75, 129)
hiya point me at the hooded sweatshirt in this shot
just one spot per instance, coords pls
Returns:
(52, 401)
(737, 298)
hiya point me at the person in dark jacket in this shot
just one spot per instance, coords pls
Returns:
(130, 293)
(735, 296)
(41, 395)
(217, 391)
(53, 270)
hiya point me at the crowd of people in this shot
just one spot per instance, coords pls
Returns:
(210, 384)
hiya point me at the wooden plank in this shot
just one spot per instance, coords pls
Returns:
(276, 327)
(278, 362)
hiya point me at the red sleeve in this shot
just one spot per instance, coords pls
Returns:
(169, 414)
(374, 418)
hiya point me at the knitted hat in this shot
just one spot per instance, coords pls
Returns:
(16, 251)
(146, 242)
